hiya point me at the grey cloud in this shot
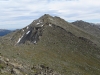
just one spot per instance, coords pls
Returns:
(22, 18)
(4, 0)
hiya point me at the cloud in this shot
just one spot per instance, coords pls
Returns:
(19, 13)
(4, 0)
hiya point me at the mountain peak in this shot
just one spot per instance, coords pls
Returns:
(46, 18)
(47, 15)
(33, 31)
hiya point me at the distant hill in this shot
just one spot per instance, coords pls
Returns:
(4, 32)
(90, 28)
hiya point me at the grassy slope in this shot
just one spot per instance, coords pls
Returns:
(75, 30)
(59, 50)
(90, 29)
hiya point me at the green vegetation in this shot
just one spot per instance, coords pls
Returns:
(2, 66)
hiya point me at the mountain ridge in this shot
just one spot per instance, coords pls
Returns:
(47, 20)
(54, 43)
(88, 27)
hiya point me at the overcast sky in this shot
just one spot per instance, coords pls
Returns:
(16, 14)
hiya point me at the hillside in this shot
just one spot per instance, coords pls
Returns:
(90, 28)
(51, 46)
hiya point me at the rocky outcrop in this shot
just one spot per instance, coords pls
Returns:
(6, 66)
(14, 68)
(43, 70)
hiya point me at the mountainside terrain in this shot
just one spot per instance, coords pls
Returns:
(50, 46)
(4, 32)
(91, 28)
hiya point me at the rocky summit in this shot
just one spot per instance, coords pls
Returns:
(51, 46)
(33, 32)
